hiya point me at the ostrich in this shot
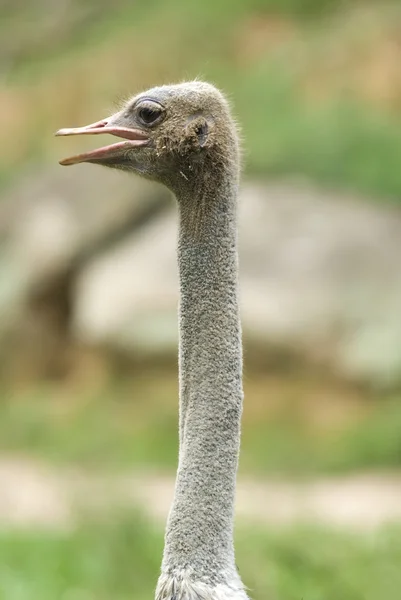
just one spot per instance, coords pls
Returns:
(184, 137)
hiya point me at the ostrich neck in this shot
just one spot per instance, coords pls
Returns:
(199, 533)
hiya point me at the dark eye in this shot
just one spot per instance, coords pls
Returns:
(149, 114)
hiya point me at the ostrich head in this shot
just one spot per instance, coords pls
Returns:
(172, 134)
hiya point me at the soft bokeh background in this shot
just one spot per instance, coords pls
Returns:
(88, 294)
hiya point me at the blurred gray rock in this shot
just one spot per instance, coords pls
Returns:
(128, 297)
(48, 219)
(320, 275)
(51, 223)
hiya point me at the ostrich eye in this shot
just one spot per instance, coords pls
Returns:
(149, 113)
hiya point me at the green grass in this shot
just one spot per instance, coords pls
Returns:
(116, 560)
(339, 143)
(286, 447)
(120, 558)
(38, 37)
(134, 425)
(96, 431)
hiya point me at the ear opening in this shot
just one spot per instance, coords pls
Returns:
(199, 127)
(202, 131)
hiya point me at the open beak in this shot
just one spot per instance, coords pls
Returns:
(133, 138)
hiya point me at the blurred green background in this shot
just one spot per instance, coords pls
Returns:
(316, 88)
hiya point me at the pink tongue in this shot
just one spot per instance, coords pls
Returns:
(104, 152)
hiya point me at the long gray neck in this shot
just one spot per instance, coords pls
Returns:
(199, 534)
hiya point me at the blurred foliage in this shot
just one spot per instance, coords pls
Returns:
(315, 83)
(131, 425)
(120, 560)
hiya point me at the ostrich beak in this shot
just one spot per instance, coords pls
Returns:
(133, 137)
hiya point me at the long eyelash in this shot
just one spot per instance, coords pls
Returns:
(121, 100)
